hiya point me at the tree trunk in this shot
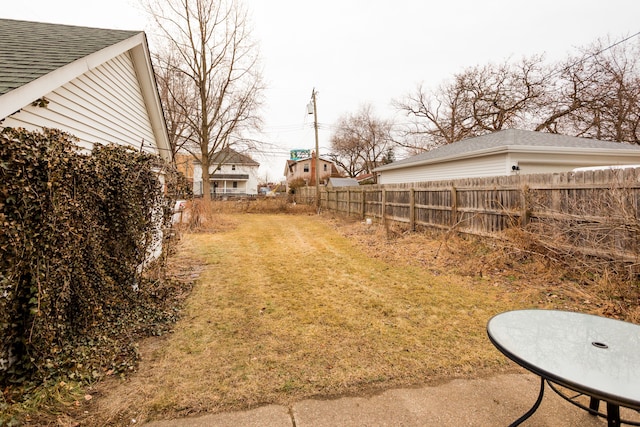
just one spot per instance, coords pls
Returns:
(206, 181)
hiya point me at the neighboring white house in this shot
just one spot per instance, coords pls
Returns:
(232, 174)
(95, 84)
(508, 152)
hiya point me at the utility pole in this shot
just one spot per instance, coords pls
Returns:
(317, 162)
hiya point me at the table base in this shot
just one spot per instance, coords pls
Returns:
(533, 409)
(613, 411)
(612, 415)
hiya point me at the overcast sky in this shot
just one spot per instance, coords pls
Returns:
(371, 51)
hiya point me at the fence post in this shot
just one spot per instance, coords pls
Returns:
(556, 194)
(524, 215)
(382, 208)
(454, 205)
(348, 202)
(412, 209)
(363, 208)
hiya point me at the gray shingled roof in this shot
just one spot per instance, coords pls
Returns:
(30, 50)
(229, 156)
(509, 138)
(343, 182)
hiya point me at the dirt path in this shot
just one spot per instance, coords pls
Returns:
(287, 308)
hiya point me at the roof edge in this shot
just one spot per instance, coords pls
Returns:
(14, 100)
(469, 155)
(149, 87)
(531, 149)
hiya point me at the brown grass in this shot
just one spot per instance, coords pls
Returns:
(290, 307)
(293, 306)
(524, 274)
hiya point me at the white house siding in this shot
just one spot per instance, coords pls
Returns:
(104, 105)
(476, 167)
(531, 163)
(508, 152)
(501, 164)
(244, 187)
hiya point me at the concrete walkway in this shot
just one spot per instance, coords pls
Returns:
(494, 401)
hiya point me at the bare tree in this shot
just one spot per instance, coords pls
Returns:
(176, 96)
(593, 94)
(437, 117)
(502, 96)
(598, 94)
(477, 101)
(213, 73)
(361, 142)
(565, 96)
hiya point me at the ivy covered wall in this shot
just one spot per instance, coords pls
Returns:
(74, 232)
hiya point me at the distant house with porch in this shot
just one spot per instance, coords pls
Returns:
(232, 174)
(508, 152)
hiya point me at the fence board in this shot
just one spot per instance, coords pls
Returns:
(590, 206)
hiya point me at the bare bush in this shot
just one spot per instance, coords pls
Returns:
(592, 233)
(202, 215)
(598, 227)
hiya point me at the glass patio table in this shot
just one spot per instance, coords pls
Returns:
(594, 356)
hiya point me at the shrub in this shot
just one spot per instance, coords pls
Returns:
(75, 231)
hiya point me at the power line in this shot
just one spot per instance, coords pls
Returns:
(593, 55)
(617, 43)
(285, 128)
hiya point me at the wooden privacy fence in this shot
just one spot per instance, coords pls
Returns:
(595, 212)
(474, 207)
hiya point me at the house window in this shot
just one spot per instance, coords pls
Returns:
(306, 167)
(233, 167)
(325, 167)
(235, 184)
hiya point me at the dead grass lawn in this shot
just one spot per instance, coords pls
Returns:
(293, 306)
